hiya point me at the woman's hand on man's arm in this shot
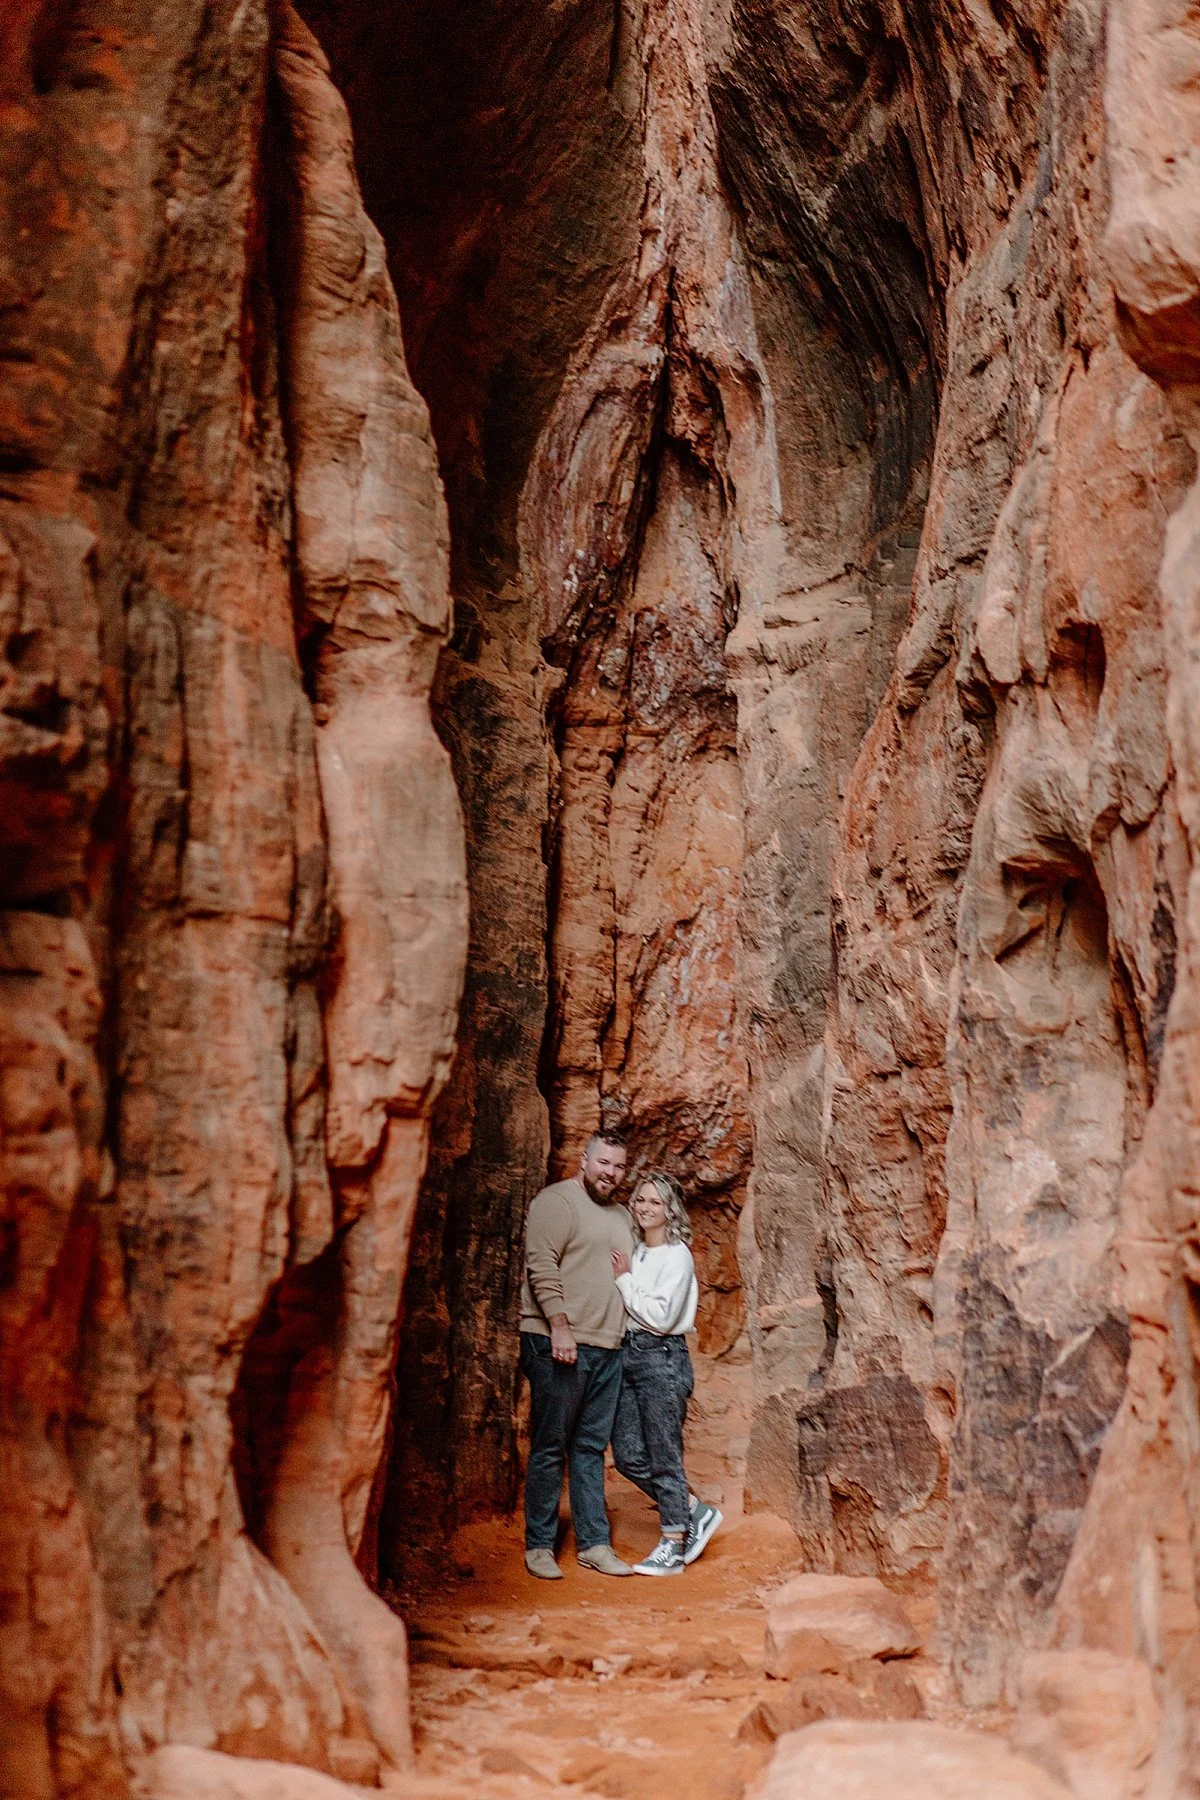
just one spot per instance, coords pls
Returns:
(620, 1262)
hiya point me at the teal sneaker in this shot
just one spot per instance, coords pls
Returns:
(665, 1559)
(703, 1522)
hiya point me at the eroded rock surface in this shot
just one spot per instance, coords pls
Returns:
(228, 1002)
(852, 1616)
(901, 1762)
(815, 393)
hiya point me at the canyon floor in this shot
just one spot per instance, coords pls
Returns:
(624, 1689)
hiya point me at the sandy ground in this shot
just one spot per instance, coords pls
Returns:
(633, 1689)
(638, 1689)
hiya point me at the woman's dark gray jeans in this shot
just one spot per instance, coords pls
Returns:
(571, 1408)
(647, 1439)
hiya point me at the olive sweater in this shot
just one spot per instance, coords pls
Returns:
(569, 1241)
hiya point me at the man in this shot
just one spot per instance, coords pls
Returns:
(572, 1328)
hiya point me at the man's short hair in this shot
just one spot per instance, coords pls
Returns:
(614, 1139)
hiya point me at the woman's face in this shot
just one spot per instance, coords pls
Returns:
(649, 1208)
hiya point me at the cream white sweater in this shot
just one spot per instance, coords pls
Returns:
(660, 1291)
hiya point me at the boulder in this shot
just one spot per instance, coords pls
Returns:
(1090, 1718)
(182, 1772)
(857, 1761)
(871, 1690)
(823, 1622)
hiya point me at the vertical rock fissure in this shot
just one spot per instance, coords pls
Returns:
(629, 518)
(846, 279)
(566, 654)
(517, 202)
(371, 560)
(641, 1028)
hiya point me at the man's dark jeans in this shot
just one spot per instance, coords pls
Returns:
(656, 1385)
(572, 1406)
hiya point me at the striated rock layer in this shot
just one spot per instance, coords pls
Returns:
(1011, 867)
(234, 904)
(1004, 895)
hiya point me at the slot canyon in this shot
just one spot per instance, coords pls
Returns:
(576, 565)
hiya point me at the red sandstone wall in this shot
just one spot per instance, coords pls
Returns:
(1010, 865)
(234, 907)
(503, 170)
(625, 534)
(1004, 899)
(821, 528)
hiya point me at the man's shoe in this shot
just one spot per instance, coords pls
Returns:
(703, 1523)
(604, 1559)
(665, 1559)
(542, 1564)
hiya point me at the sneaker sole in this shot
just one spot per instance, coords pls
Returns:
(697, 1549)
(638, 1570)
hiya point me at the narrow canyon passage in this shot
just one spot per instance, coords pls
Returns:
(625, 1694)
(591, 1687)
(576, 565)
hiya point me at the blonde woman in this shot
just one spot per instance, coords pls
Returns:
(658, 1286)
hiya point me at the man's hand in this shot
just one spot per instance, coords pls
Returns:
(620, 1263)
(563, 1347)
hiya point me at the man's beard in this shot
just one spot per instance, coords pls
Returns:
(597, 1194)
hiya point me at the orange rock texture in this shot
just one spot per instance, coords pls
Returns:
(234, 899)
(775, 738)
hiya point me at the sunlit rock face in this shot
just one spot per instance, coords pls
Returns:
(234, 899)
(1009, 866)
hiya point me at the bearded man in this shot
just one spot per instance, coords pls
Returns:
(572, 1328)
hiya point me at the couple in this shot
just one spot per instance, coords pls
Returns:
(604, 1310)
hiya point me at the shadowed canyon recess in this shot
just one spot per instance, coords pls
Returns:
(574, 565)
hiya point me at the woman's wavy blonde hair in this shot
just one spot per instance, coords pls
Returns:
(679, 1231)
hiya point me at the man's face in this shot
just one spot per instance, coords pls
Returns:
(603, 1170)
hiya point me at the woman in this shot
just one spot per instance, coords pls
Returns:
(658, 1286)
